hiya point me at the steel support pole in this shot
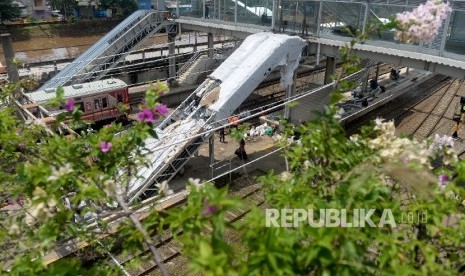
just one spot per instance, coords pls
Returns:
(214, 10)
(444, 34)
(273, 16)
(177, 8)
(318, 20)
(219, 9)
(171, 58)
(318, 30)
(235, 12)
(203, 9)
(365, 17)
(211, 152)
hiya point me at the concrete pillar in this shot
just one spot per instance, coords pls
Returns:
(211, 152)
(290, 90)
(9, 54)
(171, 58)
(195, 42)
(210, 45)
(330, 69)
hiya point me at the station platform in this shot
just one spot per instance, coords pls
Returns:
(408, 78)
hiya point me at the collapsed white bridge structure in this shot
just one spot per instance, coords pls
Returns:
(211, 104)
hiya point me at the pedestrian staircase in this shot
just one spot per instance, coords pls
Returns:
(94, 63)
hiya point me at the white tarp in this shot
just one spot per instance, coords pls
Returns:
(248, 66)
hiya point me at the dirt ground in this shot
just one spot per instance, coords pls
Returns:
(225, 160)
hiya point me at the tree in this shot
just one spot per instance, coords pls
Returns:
(128, 6)
(65, 6)
(8, 10)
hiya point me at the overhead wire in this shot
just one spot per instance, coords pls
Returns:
(141, 52)
(123, 66)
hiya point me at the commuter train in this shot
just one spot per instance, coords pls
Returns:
(98, 100)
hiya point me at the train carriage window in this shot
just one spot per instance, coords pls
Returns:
(81, 106)
(104, 102)
(97, 104)
(119, 97)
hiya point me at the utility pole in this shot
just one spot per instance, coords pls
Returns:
(9, 54)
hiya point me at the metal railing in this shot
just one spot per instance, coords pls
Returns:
(188, 63)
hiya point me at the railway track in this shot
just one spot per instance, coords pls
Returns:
(170, 250)
(427, 114)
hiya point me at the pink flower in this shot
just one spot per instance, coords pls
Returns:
(105, 146)
(70, 105)
(21, 145)
(209, 210)
(423, 23)
(146, 116)
(162, 110)
(443, 179)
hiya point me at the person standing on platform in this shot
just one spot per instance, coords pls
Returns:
(455, 135)
(207, 9)
(222, 135)
(240, 152)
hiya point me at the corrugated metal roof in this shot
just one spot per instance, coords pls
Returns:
(78, 90)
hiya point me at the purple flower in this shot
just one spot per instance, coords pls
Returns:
(21, 145)
(105, 146)
(443, 179)
(209, 210)
(70, 105)
(19, 132)
(147, 116)
(162, 110)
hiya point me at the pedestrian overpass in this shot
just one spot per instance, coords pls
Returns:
(322, 24)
